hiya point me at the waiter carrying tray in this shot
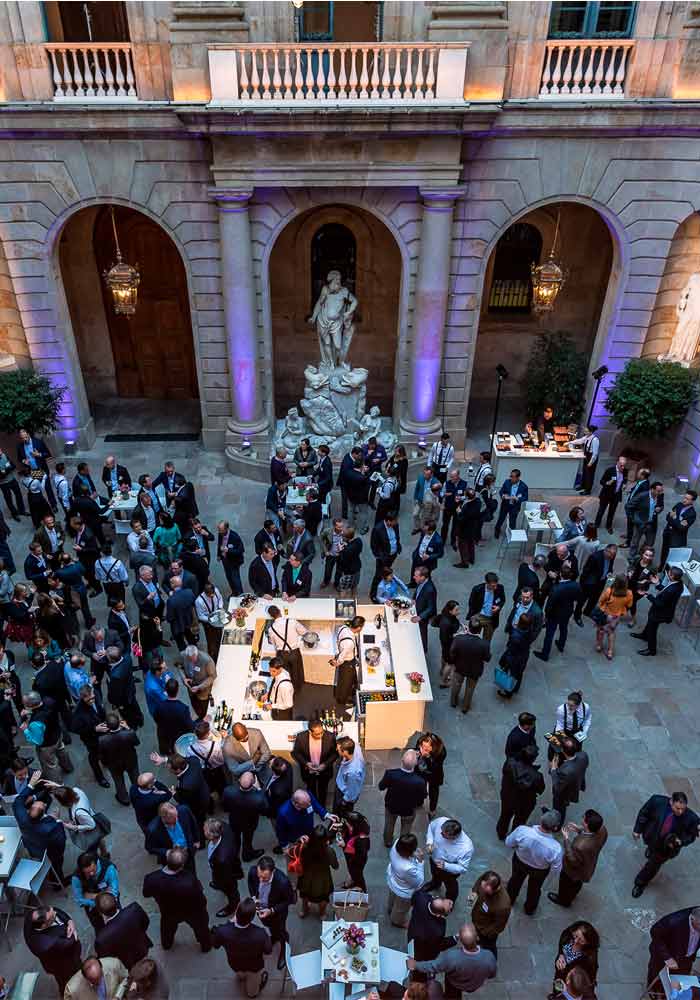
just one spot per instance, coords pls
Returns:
(346, 660)
(285, 636)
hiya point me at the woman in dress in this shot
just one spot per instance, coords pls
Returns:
(78, 818)
(579, 945)
(640, 577)
(167, 540)
(52, 619)
(489, 499)
(400, 462)
(315, 884)
(354, 840)
(35, 482)
(431, 764)
(19, 615)
(615, 602)
(449, 626)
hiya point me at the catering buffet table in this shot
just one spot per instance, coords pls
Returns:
(388, 711)
(545, 468)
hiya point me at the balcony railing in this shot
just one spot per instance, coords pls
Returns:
(391, 73)
(92, 72)
(586, 68)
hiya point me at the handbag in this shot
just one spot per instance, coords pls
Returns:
(505, 681)
(599, 617)
(351, 905)
(294, 862)
(136, 648)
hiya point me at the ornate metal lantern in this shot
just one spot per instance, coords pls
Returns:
(122, 280)
(547, 279)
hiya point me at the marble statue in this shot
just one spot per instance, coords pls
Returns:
(371, 426)
(292, 430)
(686, 337)
(333, 319)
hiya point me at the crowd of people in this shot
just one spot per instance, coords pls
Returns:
(74, 653)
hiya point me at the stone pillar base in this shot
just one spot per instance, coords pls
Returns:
(84, 437)
(246, 466)
(411, 432)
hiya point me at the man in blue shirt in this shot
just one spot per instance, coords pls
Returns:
(154, 685)
(513, 495)
(350, 776)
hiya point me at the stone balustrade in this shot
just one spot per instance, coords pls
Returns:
(286, 73)
(90, 71)
(586, 68)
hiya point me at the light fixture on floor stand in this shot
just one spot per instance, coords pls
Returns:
(599, 374)
(502, 373)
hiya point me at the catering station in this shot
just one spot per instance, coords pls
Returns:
(549, 464)
(390, 703)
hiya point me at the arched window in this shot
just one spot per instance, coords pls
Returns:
(511, 289)
(333, 248)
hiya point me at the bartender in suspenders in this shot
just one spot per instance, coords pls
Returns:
(346, 662)
(591, 450)
(285, 635)
(280, 697)
(442, 455)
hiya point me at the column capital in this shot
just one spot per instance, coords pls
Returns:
(231, 199)
(442, 199)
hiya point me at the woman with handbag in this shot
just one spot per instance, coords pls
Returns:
(514, 658)
(615, 602)
(19, 615)
(87, 829)
(354, 840)
(315, 884)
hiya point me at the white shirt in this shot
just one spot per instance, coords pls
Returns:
(424, 543)
(347, 645)
(578, 721)
(442, 455)
(62, 489)
(536, 848)
(593, 445)
(284, 638)
(205, 605)
(132, 540)
(456, 854)
(482, 472)
(281, 694)
(200, 749)
(693, 939)
(111, 570)
(404, 875)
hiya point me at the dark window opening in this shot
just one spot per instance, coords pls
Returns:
(576, 19)
(516, 251)
(333, 248)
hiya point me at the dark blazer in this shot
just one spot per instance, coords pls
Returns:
(607, 484)
(306, 547)
(279, 791)
(279, 473)
(146, 804)
(637, 502)
(158, 840)
(562, 600)
(521, 493)
(518, 740)
(148, 609)
(324, 477)
(300, 751)
(529, 579)
(569, 777)
(670, 936)
(112, 638)
(244, 808)
(262, 539)
(356, 485)
(435, 551)
(282, 895)
(83, 722)
(180, 895)
(379, 541)
(258, 577)
(302, 587)
(468, 655)
(426, 601)
(123, 477)
(185, 504)
(650, 819)
(173, 719)
(121, 687)
(349, 558)
(38, 835)
(42, 536)
(59, 955)
(125, 937)
(593, 569)
(554, 563)
(476, 601)
(50, 682)
(162, 480)
(677, 534)
(178, 611)
(405, 791)
(116, 625)
(117, 750)
(663, 604)
(235, 549)
(77, 485)
(245, 947)
(196, 566)
(36, 571)
(535, 612)
(274, 501)
(8, 786)
(39, 445)
(192, 790)
(425, 928)
(224, 863)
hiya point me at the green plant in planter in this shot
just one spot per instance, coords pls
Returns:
(556, 376)
(650, 397)
(30, 400)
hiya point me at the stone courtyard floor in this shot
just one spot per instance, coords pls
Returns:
(644, 739)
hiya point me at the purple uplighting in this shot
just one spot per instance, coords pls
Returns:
(426, 378)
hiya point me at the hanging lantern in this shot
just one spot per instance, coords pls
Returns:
(547, 279)
(122, 280)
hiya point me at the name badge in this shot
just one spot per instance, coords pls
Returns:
(309, 809)
(484, 907)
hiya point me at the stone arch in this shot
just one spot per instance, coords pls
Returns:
(683, 260)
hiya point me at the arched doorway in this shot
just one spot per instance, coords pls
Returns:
(508, 326)
(140, 372)
(356, 243)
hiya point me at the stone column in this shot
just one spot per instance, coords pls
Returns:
(240, 315)
(429, 312)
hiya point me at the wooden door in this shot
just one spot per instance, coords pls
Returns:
(153, 350)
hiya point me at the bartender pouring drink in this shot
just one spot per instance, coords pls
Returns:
(285, 636)
(346, 661)
(543, 425)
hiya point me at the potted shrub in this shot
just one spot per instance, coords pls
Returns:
(649, 398)
(556, 376)
(29, 399)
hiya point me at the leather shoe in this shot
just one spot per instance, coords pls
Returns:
(645, 652)
(226, 911)
(281, 961)
(103, 783)
(540, 655)
(637, 635)
(555, 899)
(559, 647)
(637, 890)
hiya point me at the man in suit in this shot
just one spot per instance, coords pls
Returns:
(148, 596)
(278, 790)
(123, 934)
(612, 483)
(179, 613)
(245, 804)
(295, 818)
(315, 752)
(429, 550)
(637, 505)
(263, 575)
(385, 543)
(114, 476)
(486, 601)
(17, 776)
(513, 495)
(666, 825)
(427, 927)
(170, 480)
(36, 568)
(522, 782)
(146, 796)
(172, 718)
(525, 605)
(593, 578)
(679, 520)
(32, 450)
(268, 535)
(247, 750)
(468, 654)
(194, 564)
(663, 607)
(180, 898)
(95, 644)
(96, 978)
(88, 722)
(274, 894)
(224, 863)
(561, 602)
(121, 687)
(230, 551)
(301, 542)
(296, 578)
(185, 506)
(245, 945)
(191, 789)
(425, 602)
(582, 847)
(83, 481)
(529, 575)
(174, 826)
(51, 537)
(568, 771)
(675, 940)
(452, 496)
(323, 476)
(645, 518)
(117, 751)
(50, 935)
(189, 580)
(522, 735)
(405, 792)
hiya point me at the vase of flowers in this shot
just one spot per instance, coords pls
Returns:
(415, 680)
(354, 938)
(239, 617)
(545, 511)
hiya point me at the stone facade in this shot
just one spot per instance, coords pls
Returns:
(446, 182)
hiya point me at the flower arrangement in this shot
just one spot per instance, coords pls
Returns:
(415, 680)
(240, 617)
(545, 510)
(354, 938)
